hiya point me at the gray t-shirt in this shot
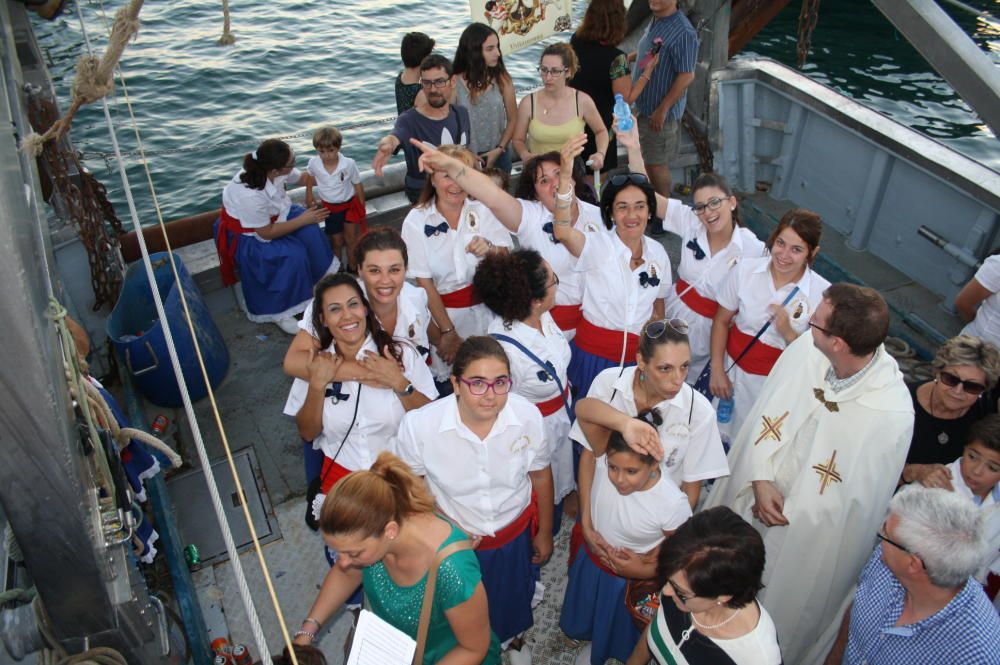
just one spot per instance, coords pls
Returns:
(454, 129)
(488, 116)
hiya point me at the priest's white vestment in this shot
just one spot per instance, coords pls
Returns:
(836, 459)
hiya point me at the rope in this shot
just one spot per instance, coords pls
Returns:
(54, 653)
(94, 76)
(227, 536)
(227, 38)
(19, 596)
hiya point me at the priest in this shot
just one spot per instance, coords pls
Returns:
(816, 462)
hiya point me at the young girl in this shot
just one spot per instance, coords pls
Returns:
(277, 247)
(485, 88)
(338, 183)
(627, 510)
(780, 291)
(486, 461)
(384, 523)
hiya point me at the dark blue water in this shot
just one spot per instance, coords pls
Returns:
(296, 65)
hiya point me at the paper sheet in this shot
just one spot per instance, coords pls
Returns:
(378, 643)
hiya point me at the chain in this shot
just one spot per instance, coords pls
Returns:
(86, 202)
(705, 157)
(108, 157)
(807, 23)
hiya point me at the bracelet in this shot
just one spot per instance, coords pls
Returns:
(501, 146)
(311, 635)
(568, 196)
(313, 621)
(564, 222)
(449, 330)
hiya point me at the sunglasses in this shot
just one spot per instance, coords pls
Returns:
(655, 329)
(970, 387)
(478, 387)
(634, 178)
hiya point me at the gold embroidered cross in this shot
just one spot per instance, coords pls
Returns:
(830, 406)
(771, 428)
(828, 472)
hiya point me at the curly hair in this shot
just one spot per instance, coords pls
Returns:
(508, 282)
(969, 350)
(603, 22)
(382, 339)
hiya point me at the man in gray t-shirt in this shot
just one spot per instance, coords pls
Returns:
(436, 123)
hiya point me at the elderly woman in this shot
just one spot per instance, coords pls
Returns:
(965, 369)
(708, 614)
(548, 118)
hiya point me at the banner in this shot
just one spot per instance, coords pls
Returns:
(521, 23)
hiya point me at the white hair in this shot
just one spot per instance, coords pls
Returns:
(942, 528)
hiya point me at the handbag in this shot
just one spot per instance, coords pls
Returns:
(425, 608)
(642, 600)
(546, 368)
(316, 484)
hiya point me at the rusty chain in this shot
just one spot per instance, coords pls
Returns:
(86, 202)
(808, 17)
(705, 157)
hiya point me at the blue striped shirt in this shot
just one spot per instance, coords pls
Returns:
(966, 630)
(678, 55)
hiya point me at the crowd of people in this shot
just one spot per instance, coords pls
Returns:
(727, 443)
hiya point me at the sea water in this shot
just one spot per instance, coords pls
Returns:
(200, 107)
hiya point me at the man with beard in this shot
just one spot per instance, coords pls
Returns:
(436, 122)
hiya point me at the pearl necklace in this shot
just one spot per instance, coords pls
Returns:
(694, 622)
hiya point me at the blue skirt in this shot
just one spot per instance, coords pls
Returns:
(583, 367)
(594, 609)
(278, 276)
(510, 584)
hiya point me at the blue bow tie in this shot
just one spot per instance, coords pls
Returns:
(433, 230)
(334, 393)
(645, 280)
(544, 376)
(423, 350)
(547, 227)
(693, 245)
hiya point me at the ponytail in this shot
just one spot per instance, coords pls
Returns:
(366, 501)
(271, 154)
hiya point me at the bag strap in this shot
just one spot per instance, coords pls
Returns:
(763, 329)
(333, 461)
(425, 609)
(526, 351)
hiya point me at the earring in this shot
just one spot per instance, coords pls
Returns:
(642, 376)
(733, 209)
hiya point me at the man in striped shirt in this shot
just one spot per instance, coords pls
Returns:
(661, 104)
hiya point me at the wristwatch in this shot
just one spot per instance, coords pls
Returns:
(405, 392)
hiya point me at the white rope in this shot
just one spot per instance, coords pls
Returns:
(227, 536)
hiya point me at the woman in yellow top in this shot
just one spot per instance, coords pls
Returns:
(548, 118)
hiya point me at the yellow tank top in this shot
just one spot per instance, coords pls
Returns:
(544, 138)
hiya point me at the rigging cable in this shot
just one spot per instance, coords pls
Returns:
(248, 603)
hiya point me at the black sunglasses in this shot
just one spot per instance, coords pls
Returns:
(970, 387)
(634, 178)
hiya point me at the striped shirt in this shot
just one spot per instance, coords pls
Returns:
(966, 630)
(678, 55)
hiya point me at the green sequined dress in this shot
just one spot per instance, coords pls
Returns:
(458, 576)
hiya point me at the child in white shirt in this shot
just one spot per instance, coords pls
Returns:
(338, 186)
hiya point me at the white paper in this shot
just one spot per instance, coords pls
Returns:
(378, 643)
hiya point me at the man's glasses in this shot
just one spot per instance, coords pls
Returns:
(437, 84)
(713, 204)
(970, 387)
(634, 178)
(821, 329)
(501, 385)
(551, 71)
(655, 329)
(680, 595)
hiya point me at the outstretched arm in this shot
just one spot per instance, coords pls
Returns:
(562, 229)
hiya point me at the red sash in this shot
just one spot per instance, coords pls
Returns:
(576, 541)
(462, 298)
(356, 213)
(697, 302)
(332, 474)
(526, 520)
(550, 406)
(567, 317)
(226, 246)
(758, 360)
(605, 343)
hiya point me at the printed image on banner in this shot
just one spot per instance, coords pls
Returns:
(521, 23)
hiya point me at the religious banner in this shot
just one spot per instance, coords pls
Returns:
(521, 23)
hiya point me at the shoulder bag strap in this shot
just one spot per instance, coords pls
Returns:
(526, 351)
(767, 324)
(425, 609)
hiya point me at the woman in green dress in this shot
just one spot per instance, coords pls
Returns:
(383, 524)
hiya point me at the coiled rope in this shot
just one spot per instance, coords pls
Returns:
(227, 536)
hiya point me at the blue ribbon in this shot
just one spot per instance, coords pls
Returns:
(432, 230)
(546, 375)
(334, 392)
(645, 280)
(547, 227)
(693, 245)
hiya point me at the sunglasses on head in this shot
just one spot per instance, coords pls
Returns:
(655, 329)
(634, 178)
(971, 387)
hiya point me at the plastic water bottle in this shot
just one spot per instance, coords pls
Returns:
(724, 412)
(623, 113)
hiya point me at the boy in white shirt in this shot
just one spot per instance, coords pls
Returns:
(338, 185)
